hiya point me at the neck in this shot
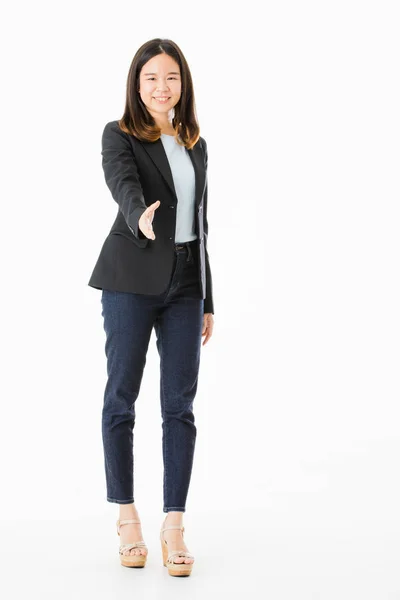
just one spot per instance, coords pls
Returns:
(164, 123)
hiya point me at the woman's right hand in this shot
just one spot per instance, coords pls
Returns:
(146, 220)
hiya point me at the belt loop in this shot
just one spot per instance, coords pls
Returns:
(189, 251)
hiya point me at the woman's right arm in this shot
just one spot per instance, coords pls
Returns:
(121, 175)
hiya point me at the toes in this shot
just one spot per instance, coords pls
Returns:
(130, 552)
(135, 552)
(182, 559)
(140, 551)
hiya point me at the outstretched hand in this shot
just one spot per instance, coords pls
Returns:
(146, 220)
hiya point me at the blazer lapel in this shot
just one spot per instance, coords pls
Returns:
(157, 154)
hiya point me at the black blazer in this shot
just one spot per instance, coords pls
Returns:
(137, 174)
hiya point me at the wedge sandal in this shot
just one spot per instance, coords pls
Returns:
(175, 569)
(131, 560)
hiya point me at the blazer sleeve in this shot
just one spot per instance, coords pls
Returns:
(208, 301)
(121, 175)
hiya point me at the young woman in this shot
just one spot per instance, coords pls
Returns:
(154, 271)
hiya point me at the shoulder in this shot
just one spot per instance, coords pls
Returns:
(203, 143)
(113, 128)
(114, 137)
(203, 146)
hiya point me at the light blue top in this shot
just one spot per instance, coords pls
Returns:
(184, 181)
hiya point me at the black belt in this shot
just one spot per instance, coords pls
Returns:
(188, 245)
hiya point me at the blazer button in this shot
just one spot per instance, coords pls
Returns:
(172, 206)
(200, 207)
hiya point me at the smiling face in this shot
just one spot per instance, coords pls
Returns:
(160, 86)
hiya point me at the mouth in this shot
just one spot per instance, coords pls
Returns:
(162, 100)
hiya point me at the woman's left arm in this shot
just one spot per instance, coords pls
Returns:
(208, 301)
(208, 318)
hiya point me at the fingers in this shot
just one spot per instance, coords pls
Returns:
(148, 216)
(206, 338)
(149, 232)
(207, 330)
(150, 209)
(146, 227)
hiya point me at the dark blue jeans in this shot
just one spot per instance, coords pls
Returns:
(177, 317)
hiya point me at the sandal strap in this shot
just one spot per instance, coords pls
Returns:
(125, 522)
(179, 553)
(140, 544)
(173, 527)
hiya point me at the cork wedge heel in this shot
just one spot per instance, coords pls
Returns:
(131, 560)
(175, 569)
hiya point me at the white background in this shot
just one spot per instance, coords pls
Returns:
(295, 487)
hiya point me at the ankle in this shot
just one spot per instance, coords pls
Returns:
(174, 518)
(128, 511)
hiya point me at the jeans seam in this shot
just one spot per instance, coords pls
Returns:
(163, 410)
(127, 501)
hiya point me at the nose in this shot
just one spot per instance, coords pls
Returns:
(162, 80)
(162, 85)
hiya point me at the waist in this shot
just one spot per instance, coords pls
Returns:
(188, 249)
(182, 245)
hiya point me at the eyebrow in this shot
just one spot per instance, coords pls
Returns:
(170, 73)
